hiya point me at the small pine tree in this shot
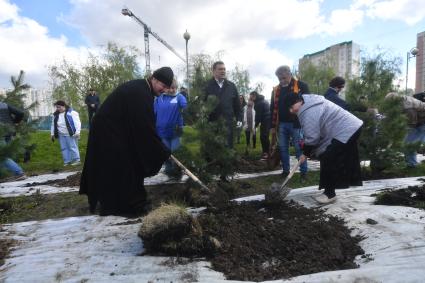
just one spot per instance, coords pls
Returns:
(214, 158)
(20, 142)
(382, 136)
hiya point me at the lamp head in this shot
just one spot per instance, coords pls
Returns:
(186, 35)
(414, 51)
(126, 12)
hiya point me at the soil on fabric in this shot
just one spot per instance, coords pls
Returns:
(412, 196)
(244, 166)
(5, 246)
(70, 181)
(257, 241)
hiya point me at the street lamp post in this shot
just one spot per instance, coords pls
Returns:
(186, 37)
(412, 53)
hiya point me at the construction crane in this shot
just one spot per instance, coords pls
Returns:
(147, 31)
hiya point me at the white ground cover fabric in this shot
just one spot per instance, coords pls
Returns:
(19, 188)
(96, 249)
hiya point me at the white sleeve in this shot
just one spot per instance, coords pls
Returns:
(77, 122)
(52, 126)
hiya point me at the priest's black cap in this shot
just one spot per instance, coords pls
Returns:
(164, 75)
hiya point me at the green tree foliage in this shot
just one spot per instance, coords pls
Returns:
(382, 137)
(240, 78)
(20, 140)
(214, 158)
(102, 72)
(317, 77)
(202, 72)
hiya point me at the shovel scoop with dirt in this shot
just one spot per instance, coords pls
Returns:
(278, 192)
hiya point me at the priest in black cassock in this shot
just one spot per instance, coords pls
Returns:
(123, 147)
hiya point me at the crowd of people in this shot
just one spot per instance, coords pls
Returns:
(139, 125)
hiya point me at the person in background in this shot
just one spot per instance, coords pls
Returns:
(414, 110)
(168, 108)
(183, 91)
(284, 124)
(228, 100)
(9, 116)
(93, 102)
(336, 85)
(66, 126)
(249, 115)
(123, 147)
(262, 118)
(330, 134)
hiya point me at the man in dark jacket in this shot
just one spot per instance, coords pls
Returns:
(92, 101)
(228, 100)
(262, 118)
(123, 147)
(286, 123)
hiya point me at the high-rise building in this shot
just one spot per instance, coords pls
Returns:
(420, 63)
(344, 57)
(43, 100)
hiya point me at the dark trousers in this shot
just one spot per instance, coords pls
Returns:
(264, 137)
(248, 138)
(340, 165)
(91, 114)
(229, 133)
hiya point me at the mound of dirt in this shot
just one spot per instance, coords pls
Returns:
(413, 196)
(257, 241)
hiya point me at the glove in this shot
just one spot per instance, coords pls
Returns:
(52, 138)
(238, 124)
(179, 131)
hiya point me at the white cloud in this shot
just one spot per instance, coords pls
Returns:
(408, 11)
(26, 45)
(242, 28)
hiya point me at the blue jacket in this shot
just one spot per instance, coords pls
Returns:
(68, 120)
(168, 111)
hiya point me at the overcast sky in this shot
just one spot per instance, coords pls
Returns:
(257, 35)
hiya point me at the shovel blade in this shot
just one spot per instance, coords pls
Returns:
(276, 193)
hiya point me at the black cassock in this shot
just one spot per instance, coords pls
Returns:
(123, 148)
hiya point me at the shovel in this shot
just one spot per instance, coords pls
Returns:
(190, 174)
(278, 191)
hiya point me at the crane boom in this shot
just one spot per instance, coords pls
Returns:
(147, 30)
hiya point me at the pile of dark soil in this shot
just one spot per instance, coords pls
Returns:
(413, 196)
(251, 166)
(258, 241)
(70, 181)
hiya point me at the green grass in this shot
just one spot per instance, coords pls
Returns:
(47, 156)
(39, 206)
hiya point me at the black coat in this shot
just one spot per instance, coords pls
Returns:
(333, 96)
(123, 148)
(228, 100)
(262, 111)
(92, 99)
